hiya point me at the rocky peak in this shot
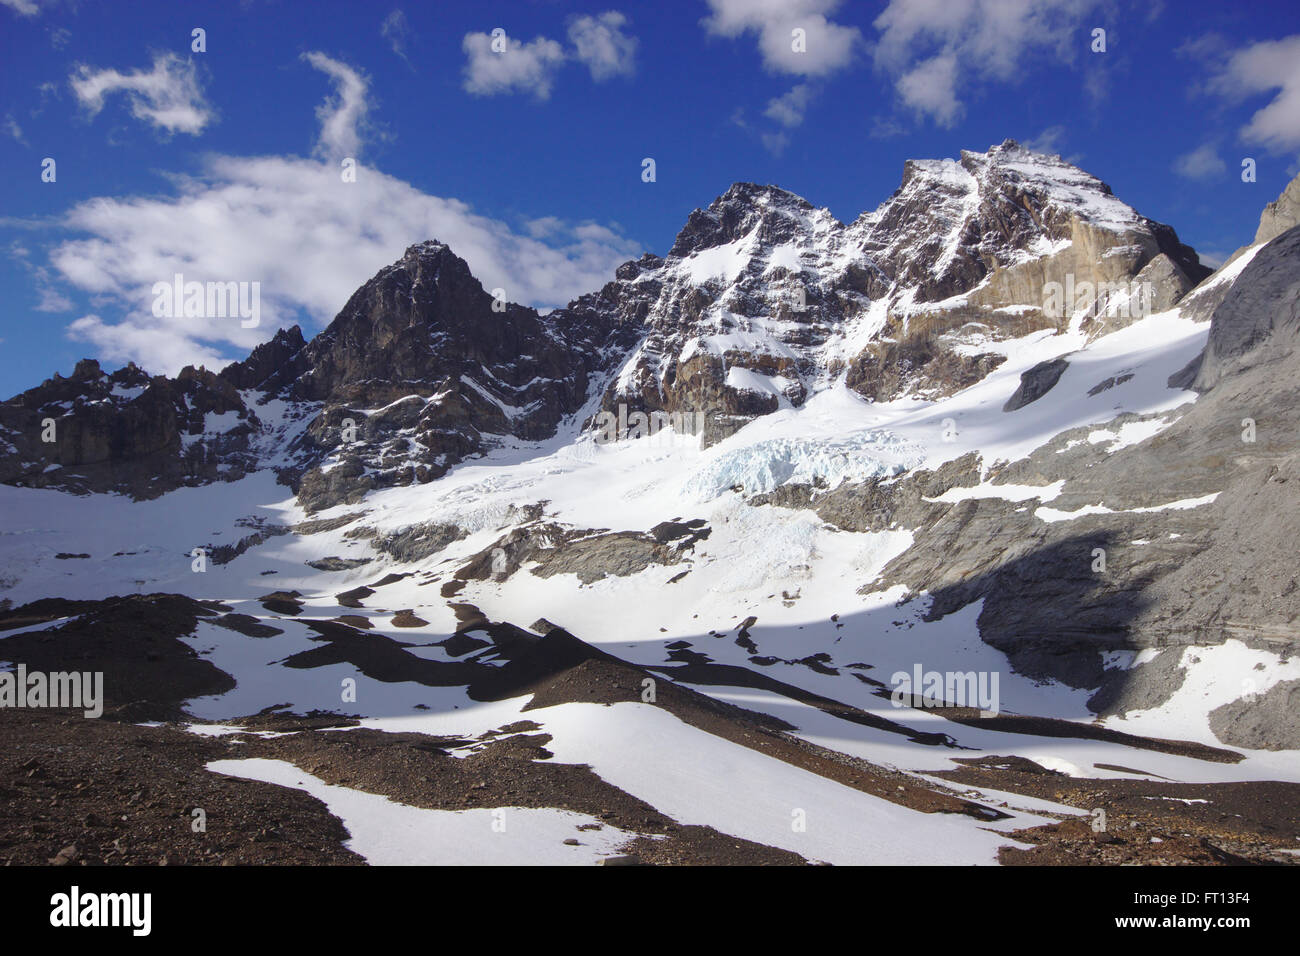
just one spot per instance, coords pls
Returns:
(1281, 214)
(87, 370)
(126, 432)
(432, 369)
(270, 366)
(407, 328)
(952, 224)
(737, 212)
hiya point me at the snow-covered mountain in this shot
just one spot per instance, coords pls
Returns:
(761, 301)
(689, 530)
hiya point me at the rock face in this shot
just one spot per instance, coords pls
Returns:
(127, 432)
(1173, 579)
(1269, 721)
(1258, 319)
(1003, 243)
(1036, 382)
(1281, 214)
(1014, 219)
(739, 318)
(423, 368)
(763, 297)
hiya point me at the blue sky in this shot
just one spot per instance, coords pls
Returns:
(225, 164)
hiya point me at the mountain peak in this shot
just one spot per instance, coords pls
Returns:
(757, 192)
(737, 212)
(425, 249)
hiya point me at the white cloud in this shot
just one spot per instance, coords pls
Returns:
(934, 48)
(788, 109)
(308, 238)
(543, 226)
(397, 30)
(775, 143)
(883, 127)
(52, 301)
(14, 130)
(155, 348)
(1263, 68)
(342, 114)
(931, 88)
(49, 299)
(601, 44)
(1201, 163)
(521, 67)
(168, 95)
(828, 46)
(598, 42)
(1048, 141)
(24, 8)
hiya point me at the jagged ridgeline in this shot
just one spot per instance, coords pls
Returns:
(762, 299)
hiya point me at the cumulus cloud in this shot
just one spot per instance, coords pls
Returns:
(827, 46)
(1201, 163)
(931, 88)
(520, 68)
(342, 114)
(1272, 66)
(600, 43)
(788, 110)
(168, 95)
(154, 347)
(934, 48)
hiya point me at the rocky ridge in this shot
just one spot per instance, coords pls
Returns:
(761, 299)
